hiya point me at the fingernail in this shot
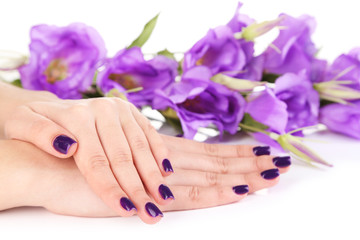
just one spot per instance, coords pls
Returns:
(63, 143)
(261, 150)
(282, 161)
(270, 174)
(241, 189)
(153, 210)
(127, 204)
(167, 165)
(165, 192)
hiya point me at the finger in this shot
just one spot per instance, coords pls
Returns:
(195, 197)
(29, 126)
(143, 158)
(90, 157)
(221, 164)
(119, 154)
(94, 165)
(255, 180)
(182, 144)
(157, 145)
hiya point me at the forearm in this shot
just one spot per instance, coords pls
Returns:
(12, 97)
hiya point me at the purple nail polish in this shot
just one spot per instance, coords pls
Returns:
(127, 204)
(153, 210)
(63, 143)
(261, 150)
(167, 165)
(241, 189)
(282, 161)
(270, 174)
(165, 192)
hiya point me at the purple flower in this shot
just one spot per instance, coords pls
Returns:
(253, 68)
(200, 102)
(346, 67)
(129, 70)
(293, 50)
(301, 99)
(218, 50)
(344, 119)
(266, 108)
(63, 60)
(239, 20)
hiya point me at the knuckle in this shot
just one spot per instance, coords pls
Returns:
(138, 192)
(211, 149)
(39, 125)
(194, 193)
(110, 192)
(97, 162)
(211, 178)
(222, 165)
(220, 194)
(121, 159)
(103, 104)
(80, 111)
(239, 150)
(139, 143)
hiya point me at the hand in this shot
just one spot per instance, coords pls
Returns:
(206, 175)
(116, 149)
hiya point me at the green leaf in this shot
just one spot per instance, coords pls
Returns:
(145, 34)
(167, 53)
(17, 83)
(248, 120)
(269, 77)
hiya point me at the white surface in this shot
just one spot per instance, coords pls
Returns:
(308, 202)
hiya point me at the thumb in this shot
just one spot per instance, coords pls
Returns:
(29, 126)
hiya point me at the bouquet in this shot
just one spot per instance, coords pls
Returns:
(219, 82)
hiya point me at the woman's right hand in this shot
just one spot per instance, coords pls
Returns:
(206, 175)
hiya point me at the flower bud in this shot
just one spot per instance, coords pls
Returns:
(241, 85)
(257, 29)
(335, 91)
(296, 146)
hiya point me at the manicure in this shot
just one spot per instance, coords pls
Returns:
(165, 192)
(282, 161)
(241, 189)
(153, 210)
(127, 204)
(270, 174)
(261, 150)
(167, 165)
(63, 143)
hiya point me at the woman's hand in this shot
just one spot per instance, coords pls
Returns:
(120, 154)
(206, 175)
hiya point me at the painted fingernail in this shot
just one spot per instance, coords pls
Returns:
(261, 150)
(63, 143)
(270, 174)
(153, 210)
(282, 161)
(241, 189)
(165, 192)
(127, 204)
(167, 165)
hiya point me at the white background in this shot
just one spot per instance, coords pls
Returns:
(308, 202)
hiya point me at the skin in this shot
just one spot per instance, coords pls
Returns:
(133, 167)
(58, 185)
